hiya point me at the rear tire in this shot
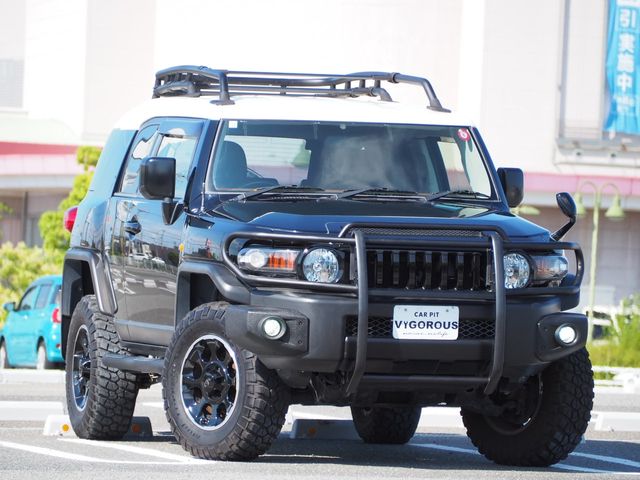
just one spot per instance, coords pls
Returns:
(4, 358)
(222, 403)
(386, 425)
(42, 362)
(100, 399)
(548, 427)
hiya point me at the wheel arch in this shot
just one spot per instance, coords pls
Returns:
(85, 272)
(205, 282)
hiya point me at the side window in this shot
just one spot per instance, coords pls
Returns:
(43, 296)
(28, 300)
(142, 147)
(182, 149)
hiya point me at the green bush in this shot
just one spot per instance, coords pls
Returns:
(621, 346)
(19, 266)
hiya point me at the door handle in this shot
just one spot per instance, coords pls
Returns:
(132, 227)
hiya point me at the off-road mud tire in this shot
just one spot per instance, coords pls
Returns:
(386, 425)
(111, 393)
(555, 429)
(261, 398)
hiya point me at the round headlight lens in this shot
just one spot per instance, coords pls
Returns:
(321, 265)
(517, 270)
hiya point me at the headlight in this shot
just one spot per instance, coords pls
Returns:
(548, 268)
(268, 260)
(517, 270)
(321, 265)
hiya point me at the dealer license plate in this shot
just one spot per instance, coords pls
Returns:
(425, 322)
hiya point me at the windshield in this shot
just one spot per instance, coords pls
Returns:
(339, 156)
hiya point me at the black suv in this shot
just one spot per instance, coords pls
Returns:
(255, 240)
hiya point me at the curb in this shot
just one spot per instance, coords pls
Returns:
(60, 426)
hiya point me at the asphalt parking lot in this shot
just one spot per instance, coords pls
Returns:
(322, 447)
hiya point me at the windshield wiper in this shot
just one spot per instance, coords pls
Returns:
(378, 191)
(458, 192)
(276, 189)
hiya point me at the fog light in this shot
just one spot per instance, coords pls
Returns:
(273, 327)
(566, 335)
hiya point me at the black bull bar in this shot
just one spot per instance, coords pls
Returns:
(489, 237)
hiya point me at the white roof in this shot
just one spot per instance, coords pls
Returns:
(280, 107)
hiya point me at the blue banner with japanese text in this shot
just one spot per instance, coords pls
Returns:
(623, 67)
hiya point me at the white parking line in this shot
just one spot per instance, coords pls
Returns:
(80, 458)
(606, 458)
(137, 450)
(562, 466)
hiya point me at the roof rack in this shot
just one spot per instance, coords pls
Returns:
(194, 81)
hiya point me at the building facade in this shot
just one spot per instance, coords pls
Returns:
(531, 75)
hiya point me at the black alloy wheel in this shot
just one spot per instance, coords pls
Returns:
(100, 399)
(221, 401)
(543, 422)
(81, 369)
(209, 382)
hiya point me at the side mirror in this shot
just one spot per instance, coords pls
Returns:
(568, 207)
(566, 204)
(9, 306)
(512, 180)
(158, 178)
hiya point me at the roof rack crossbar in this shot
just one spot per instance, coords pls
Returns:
(191, 80)
(292, 91)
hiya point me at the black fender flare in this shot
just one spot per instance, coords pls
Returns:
(225, 282)
(85, 272)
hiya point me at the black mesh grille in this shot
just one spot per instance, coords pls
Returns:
(381, 327)
(428, 269)
(418, 232)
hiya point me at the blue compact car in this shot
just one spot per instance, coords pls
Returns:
(31, 336)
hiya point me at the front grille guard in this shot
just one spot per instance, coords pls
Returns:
(354, 238)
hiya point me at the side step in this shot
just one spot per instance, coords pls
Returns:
(132, 363)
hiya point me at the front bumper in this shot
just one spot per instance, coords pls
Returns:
(522, 343)
(318, 340)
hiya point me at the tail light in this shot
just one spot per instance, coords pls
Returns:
(70, 218)
(56, 316)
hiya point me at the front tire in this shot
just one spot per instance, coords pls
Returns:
(554, 414)
(100, 399)
(386, 425)
(222, 403)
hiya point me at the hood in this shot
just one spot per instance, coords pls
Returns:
(330, 216)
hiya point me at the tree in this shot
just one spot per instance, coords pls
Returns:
(4, 208)
(55, 239)
(19, 266)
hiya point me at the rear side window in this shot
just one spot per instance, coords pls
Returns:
(43, 296)
(142, 147)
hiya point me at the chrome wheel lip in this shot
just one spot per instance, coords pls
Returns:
(81, 370)
(182, 386)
